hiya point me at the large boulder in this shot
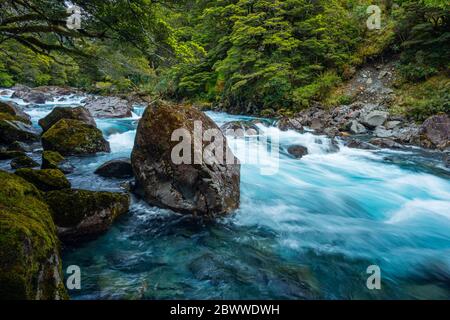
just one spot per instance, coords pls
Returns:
(54, 160)
(82, 215)
(30, 95)
(73, 137)
(12, 131)
(45, 180)
(286, 124)
(209, 187)
(108, 107)
(375, 118)
(30, 263)
(117, 168)
(23, 162)
(436, 132)
(58, 113)
(357, 128)
(11, 111)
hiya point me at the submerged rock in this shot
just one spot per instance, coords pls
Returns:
(436, 132)
(117, 168)
(23, 162)
(358, 144)
(54, 160)
(108, 107)
(45, 180)
(30, 263)
(386, 143)
(73, 137)
(82, 215)
(298, 151)
(58, 113)
(205, 189)
(12, 131)
(14, 112)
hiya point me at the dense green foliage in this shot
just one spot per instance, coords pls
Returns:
(251, 56)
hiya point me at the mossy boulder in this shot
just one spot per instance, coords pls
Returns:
(30, 264)
(82, 215)
(13, 130)
(58, 113)
(7, 155)
(20, 146)
(11, 111)
(73, 137)
(54, 160)
(23, 162)
(45, 180)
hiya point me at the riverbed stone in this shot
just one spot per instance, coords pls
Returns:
(297, 151)
(82, 215)
(436, 132)
(12, 131)
(15, 112)
(54, 160)
(23, 162)
(386, 143)
(58, 113)
(375, 118)
(73, 137)
(108, 107)
(286, 124)
(30, 263)
(209, 188)
(46, 179)
(117, 168)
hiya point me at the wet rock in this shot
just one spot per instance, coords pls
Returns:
(390, 125)
(205, 189)
(239, 128)
(381, 132)
(12, 131)
(298, 151)
(23, 162)
(20, 146)
(5, 93)
(30, 263)
(386, 143)
(317, 124)
(108, 107)
(7, 155)
(117, 168)
(357, 128)
(73, 137)
(29, 95)
(358, 144)
(45, 180)
(54, 160)
(14, 112)
(58, 113)
(436, 132)
(82, 215)
(375, 118)
(446, 159)
(286, 124)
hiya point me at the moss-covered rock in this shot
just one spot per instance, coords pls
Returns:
(45, 180)
(7, 155)
(81, 215)
(58, 113)
(11, 111)
(12, 130)
(54, 160)
(73, 137)
(23, 162)
(30, 264)
(20, 146)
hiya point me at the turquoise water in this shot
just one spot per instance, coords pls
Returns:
(307, 232)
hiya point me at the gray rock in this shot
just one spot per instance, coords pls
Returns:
(436, 132)
(58, 113)
(357, 128)
(386, 143)
(286, 124)
(209, 188)
(381, 132)
(358, 144)
(117, 168)
(390, 125)
(12, 131)
(375, 118)
(298, 151)
(108, 107)
(239, 128)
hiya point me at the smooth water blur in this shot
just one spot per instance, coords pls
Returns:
(307, 232)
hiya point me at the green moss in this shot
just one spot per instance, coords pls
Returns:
(8, 112)
(45, 180)
(51, 159)
(70, 137)
(70, 207)
(23, 162)
(29, 247)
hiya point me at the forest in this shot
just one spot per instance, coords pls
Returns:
(262, 57)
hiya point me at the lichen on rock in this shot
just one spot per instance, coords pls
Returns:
(46, 179)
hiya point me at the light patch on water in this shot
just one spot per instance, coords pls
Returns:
(421, 208)
(122, 142)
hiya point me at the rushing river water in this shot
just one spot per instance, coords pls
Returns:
(310, 231)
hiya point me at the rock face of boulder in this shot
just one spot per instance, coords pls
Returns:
(23, 162)
(286, 124)
(54, 160)
(357, 128)
(30, 264)
(58, 113)
(14, 112)
(12, 131)
(82, 215)
(375, 118)
(358, 144)
(436, 132)
(108, 107)
(45, 180)
(117, 168)
(29, 95)
(298, 151)
(386, 143)
(73, 137)
(205, 189)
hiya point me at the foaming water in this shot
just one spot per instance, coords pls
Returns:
(307, 231)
